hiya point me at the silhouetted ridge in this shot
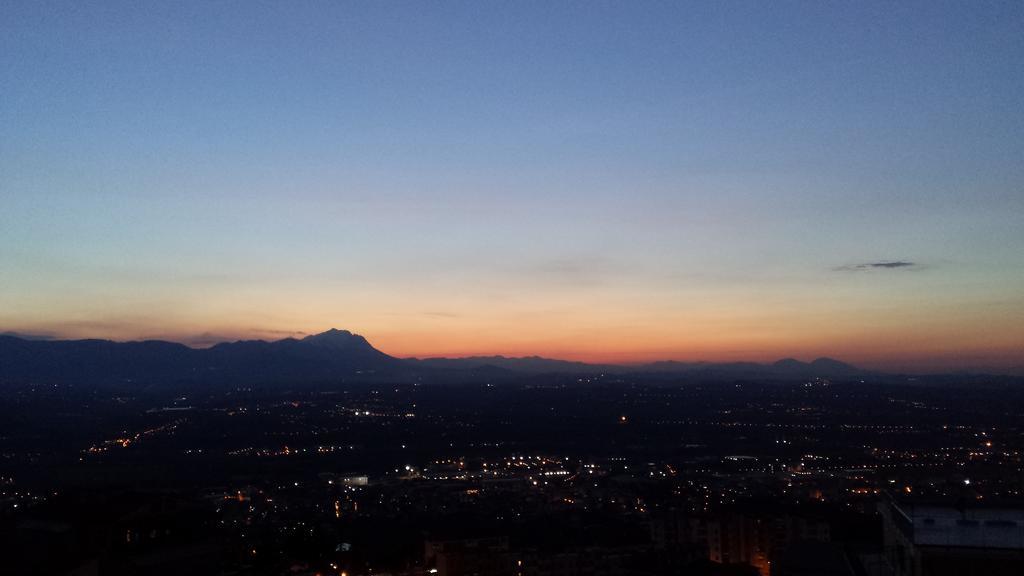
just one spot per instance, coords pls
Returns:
(530, 364)
(789, 364)
(820, 367)
(334, 355)
(338, 340)
(331, 355)
(832, 363)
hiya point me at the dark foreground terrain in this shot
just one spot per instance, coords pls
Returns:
(555, 474)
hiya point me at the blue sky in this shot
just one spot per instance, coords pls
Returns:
(593, 180)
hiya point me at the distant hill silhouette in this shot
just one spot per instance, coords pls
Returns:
(334, 355)
(786, 368)
(528, 364)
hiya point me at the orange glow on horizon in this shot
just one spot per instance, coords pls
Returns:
(588, 327)
(903, 350)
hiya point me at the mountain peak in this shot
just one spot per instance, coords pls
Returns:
(333, 332)
(835, 366)
(335, 338)
(818, 367)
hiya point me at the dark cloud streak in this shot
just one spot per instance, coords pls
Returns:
(29, 335)
(880, 265)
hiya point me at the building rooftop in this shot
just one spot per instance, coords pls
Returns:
(970, 527)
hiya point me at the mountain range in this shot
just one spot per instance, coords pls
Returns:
(334, 355)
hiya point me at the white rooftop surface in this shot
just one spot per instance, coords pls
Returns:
(977, 528)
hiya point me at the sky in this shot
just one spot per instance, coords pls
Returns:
(603, 181)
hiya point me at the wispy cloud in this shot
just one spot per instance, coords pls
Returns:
(206, 339)
(288, 333)
(440, 314)
(582, 270)
(29, 335)
(424, 314)
(210, 338)
(880, 265)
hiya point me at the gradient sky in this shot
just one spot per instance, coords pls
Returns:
(601, 181)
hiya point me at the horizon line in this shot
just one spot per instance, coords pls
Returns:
(1013, 371)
